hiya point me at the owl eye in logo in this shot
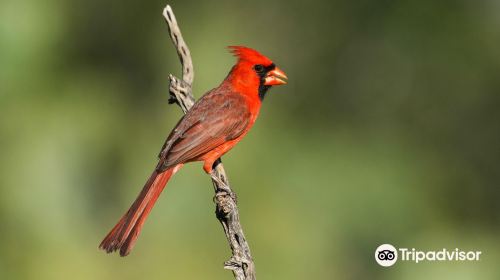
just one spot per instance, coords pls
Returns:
(385, 255)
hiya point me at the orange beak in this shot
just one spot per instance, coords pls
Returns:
(275, 77)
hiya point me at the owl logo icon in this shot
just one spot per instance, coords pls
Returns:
(386, 255)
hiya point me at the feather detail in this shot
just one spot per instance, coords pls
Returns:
(249, 55)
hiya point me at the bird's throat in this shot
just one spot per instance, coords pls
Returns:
(263, 90)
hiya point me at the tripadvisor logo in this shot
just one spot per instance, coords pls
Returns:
(387, 255)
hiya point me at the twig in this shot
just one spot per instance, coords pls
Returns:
(241, 263)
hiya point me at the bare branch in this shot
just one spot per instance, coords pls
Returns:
(182, 49)
(241, 262)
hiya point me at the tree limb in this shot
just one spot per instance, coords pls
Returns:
(241, 262)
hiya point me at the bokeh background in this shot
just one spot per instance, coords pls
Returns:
(388, 132)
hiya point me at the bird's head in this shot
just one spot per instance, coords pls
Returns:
(254, 73)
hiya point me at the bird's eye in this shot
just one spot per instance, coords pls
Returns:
(259, 68)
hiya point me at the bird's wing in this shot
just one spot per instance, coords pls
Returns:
(215, 119)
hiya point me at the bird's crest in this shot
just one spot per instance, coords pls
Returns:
(250, 55)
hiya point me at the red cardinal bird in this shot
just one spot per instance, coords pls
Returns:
(215, 123)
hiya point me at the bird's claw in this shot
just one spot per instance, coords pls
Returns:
(223, 189)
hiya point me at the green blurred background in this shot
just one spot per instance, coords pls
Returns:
(388, 132)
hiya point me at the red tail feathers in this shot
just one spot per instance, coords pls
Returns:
(124, 235)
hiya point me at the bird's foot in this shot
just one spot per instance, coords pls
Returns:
(218, 180)
(223, 189)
